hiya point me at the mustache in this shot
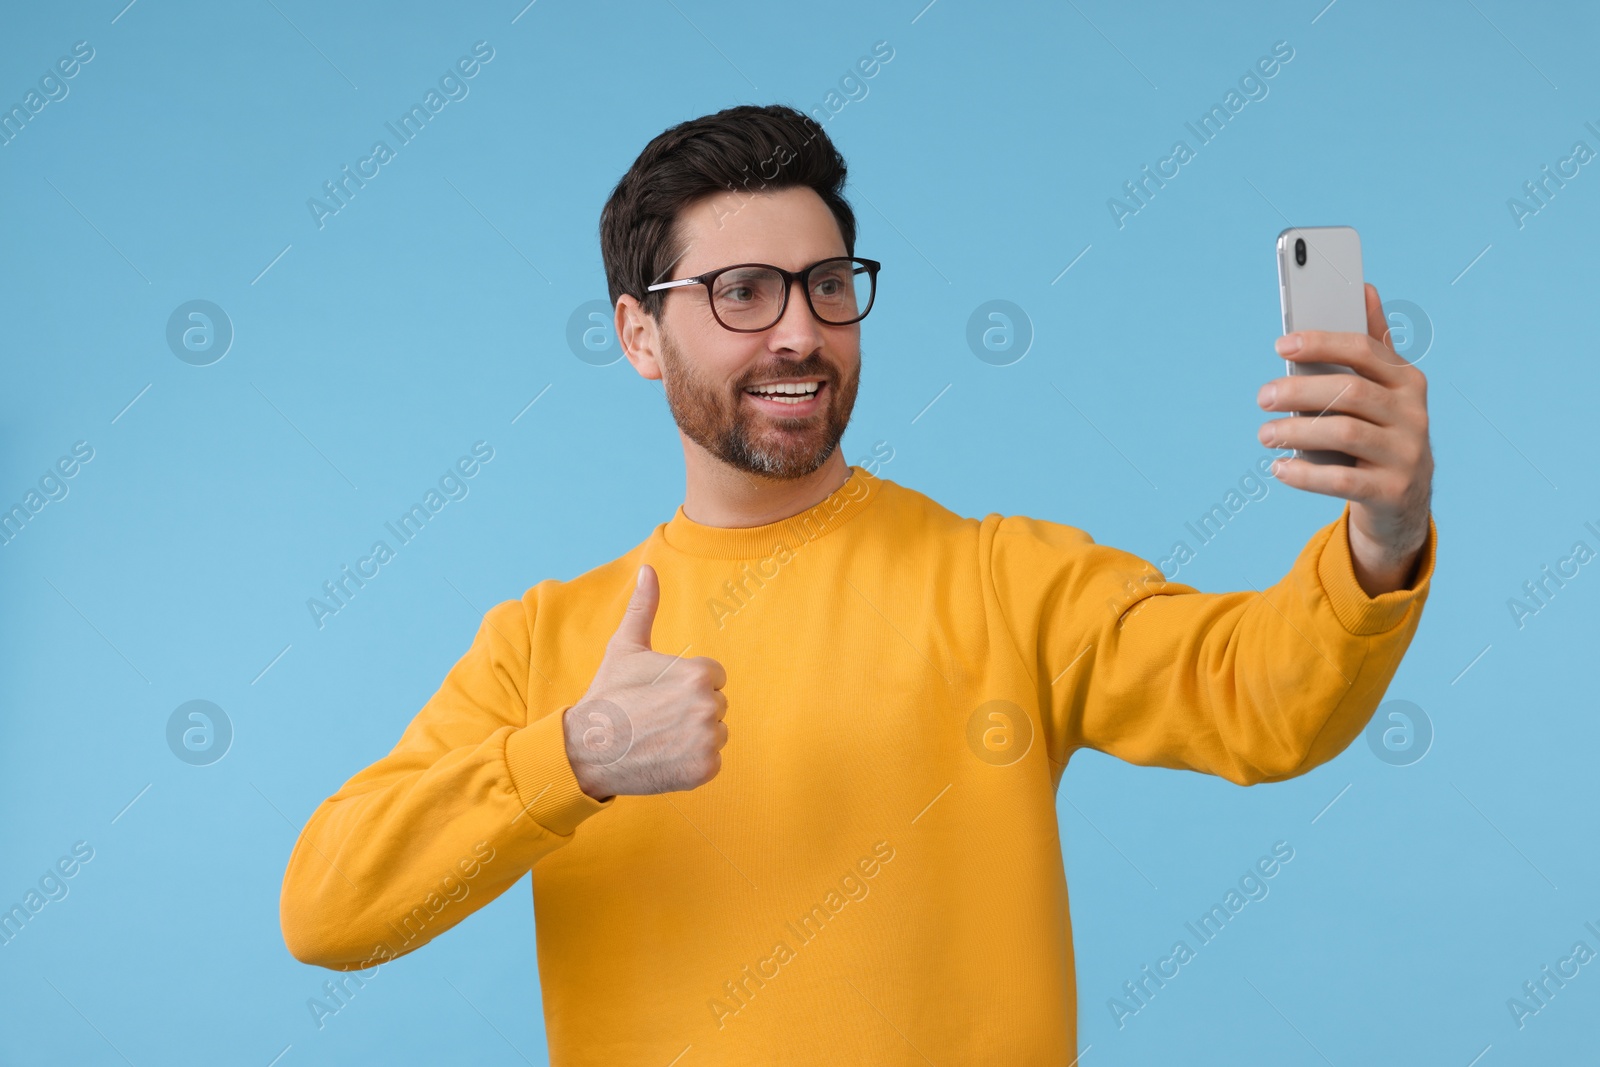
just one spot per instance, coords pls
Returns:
(814, 367)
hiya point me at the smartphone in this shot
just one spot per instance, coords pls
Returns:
(1320, 288)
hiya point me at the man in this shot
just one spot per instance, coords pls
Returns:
(785, 773)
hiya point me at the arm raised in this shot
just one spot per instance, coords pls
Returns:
(478, 788)
(1252, 686)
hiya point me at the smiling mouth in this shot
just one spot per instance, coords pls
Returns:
(790, 400)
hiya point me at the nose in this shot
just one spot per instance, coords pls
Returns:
(798, 330)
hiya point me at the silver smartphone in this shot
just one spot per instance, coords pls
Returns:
(1320, 288)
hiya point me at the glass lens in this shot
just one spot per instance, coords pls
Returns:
(840, 290)
(748, 298)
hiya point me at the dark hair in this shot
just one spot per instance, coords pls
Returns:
(745, 149)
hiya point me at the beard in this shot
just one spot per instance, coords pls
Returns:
(716, 417)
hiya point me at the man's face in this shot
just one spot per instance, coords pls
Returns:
(709, 371)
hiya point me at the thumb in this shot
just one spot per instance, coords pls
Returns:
(1377, 321)
(633, 633)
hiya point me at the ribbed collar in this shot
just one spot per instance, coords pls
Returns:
(755, 542)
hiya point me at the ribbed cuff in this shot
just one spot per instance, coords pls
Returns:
(1359, 613)
(536, 759)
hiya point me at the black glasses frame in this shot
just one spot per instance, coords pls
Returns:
(802, 276)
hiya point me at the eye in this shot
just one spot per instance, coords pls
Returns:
(742, 287)
(831, 281)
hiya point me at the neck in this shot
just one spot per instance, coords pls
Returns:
(716, 494)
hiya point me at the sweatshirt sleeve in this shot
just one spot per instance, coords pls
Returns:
(476, 791)
(1254, 686)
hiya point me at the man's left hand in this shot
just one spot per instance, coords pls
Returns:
(1379, 415)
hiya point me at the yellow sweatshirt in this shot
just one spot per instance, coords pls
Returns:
(875, 875)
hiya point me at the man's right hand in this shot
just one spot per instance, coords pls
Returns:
(649, 723)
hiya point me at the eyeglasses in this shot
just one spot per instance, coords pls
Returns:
(751, 297)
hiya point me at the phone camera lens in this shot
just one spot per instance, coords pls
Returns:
(1300, 251)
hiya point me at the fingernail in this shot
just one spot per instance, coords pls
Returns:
(638, 579)
(1288, 343)
(1269, 393)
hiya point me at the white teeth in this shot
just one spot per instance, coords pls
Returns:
(802, 389)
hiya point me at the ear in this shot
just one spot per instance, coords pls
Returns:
(639, 336)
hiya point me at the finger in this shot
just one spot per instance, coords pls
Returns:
(1359, 484)
(722, 702)
(1379, 329)
(1357, 351)
(719, 677)
(1377, 321)
(722, 736)
(1339, 433)
(633, 632)
(1323, 394)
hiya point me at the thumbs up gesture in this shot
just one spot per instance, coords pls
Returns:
(649, 723)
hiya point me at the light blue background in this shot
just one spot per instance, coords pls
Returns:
(431, 310)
